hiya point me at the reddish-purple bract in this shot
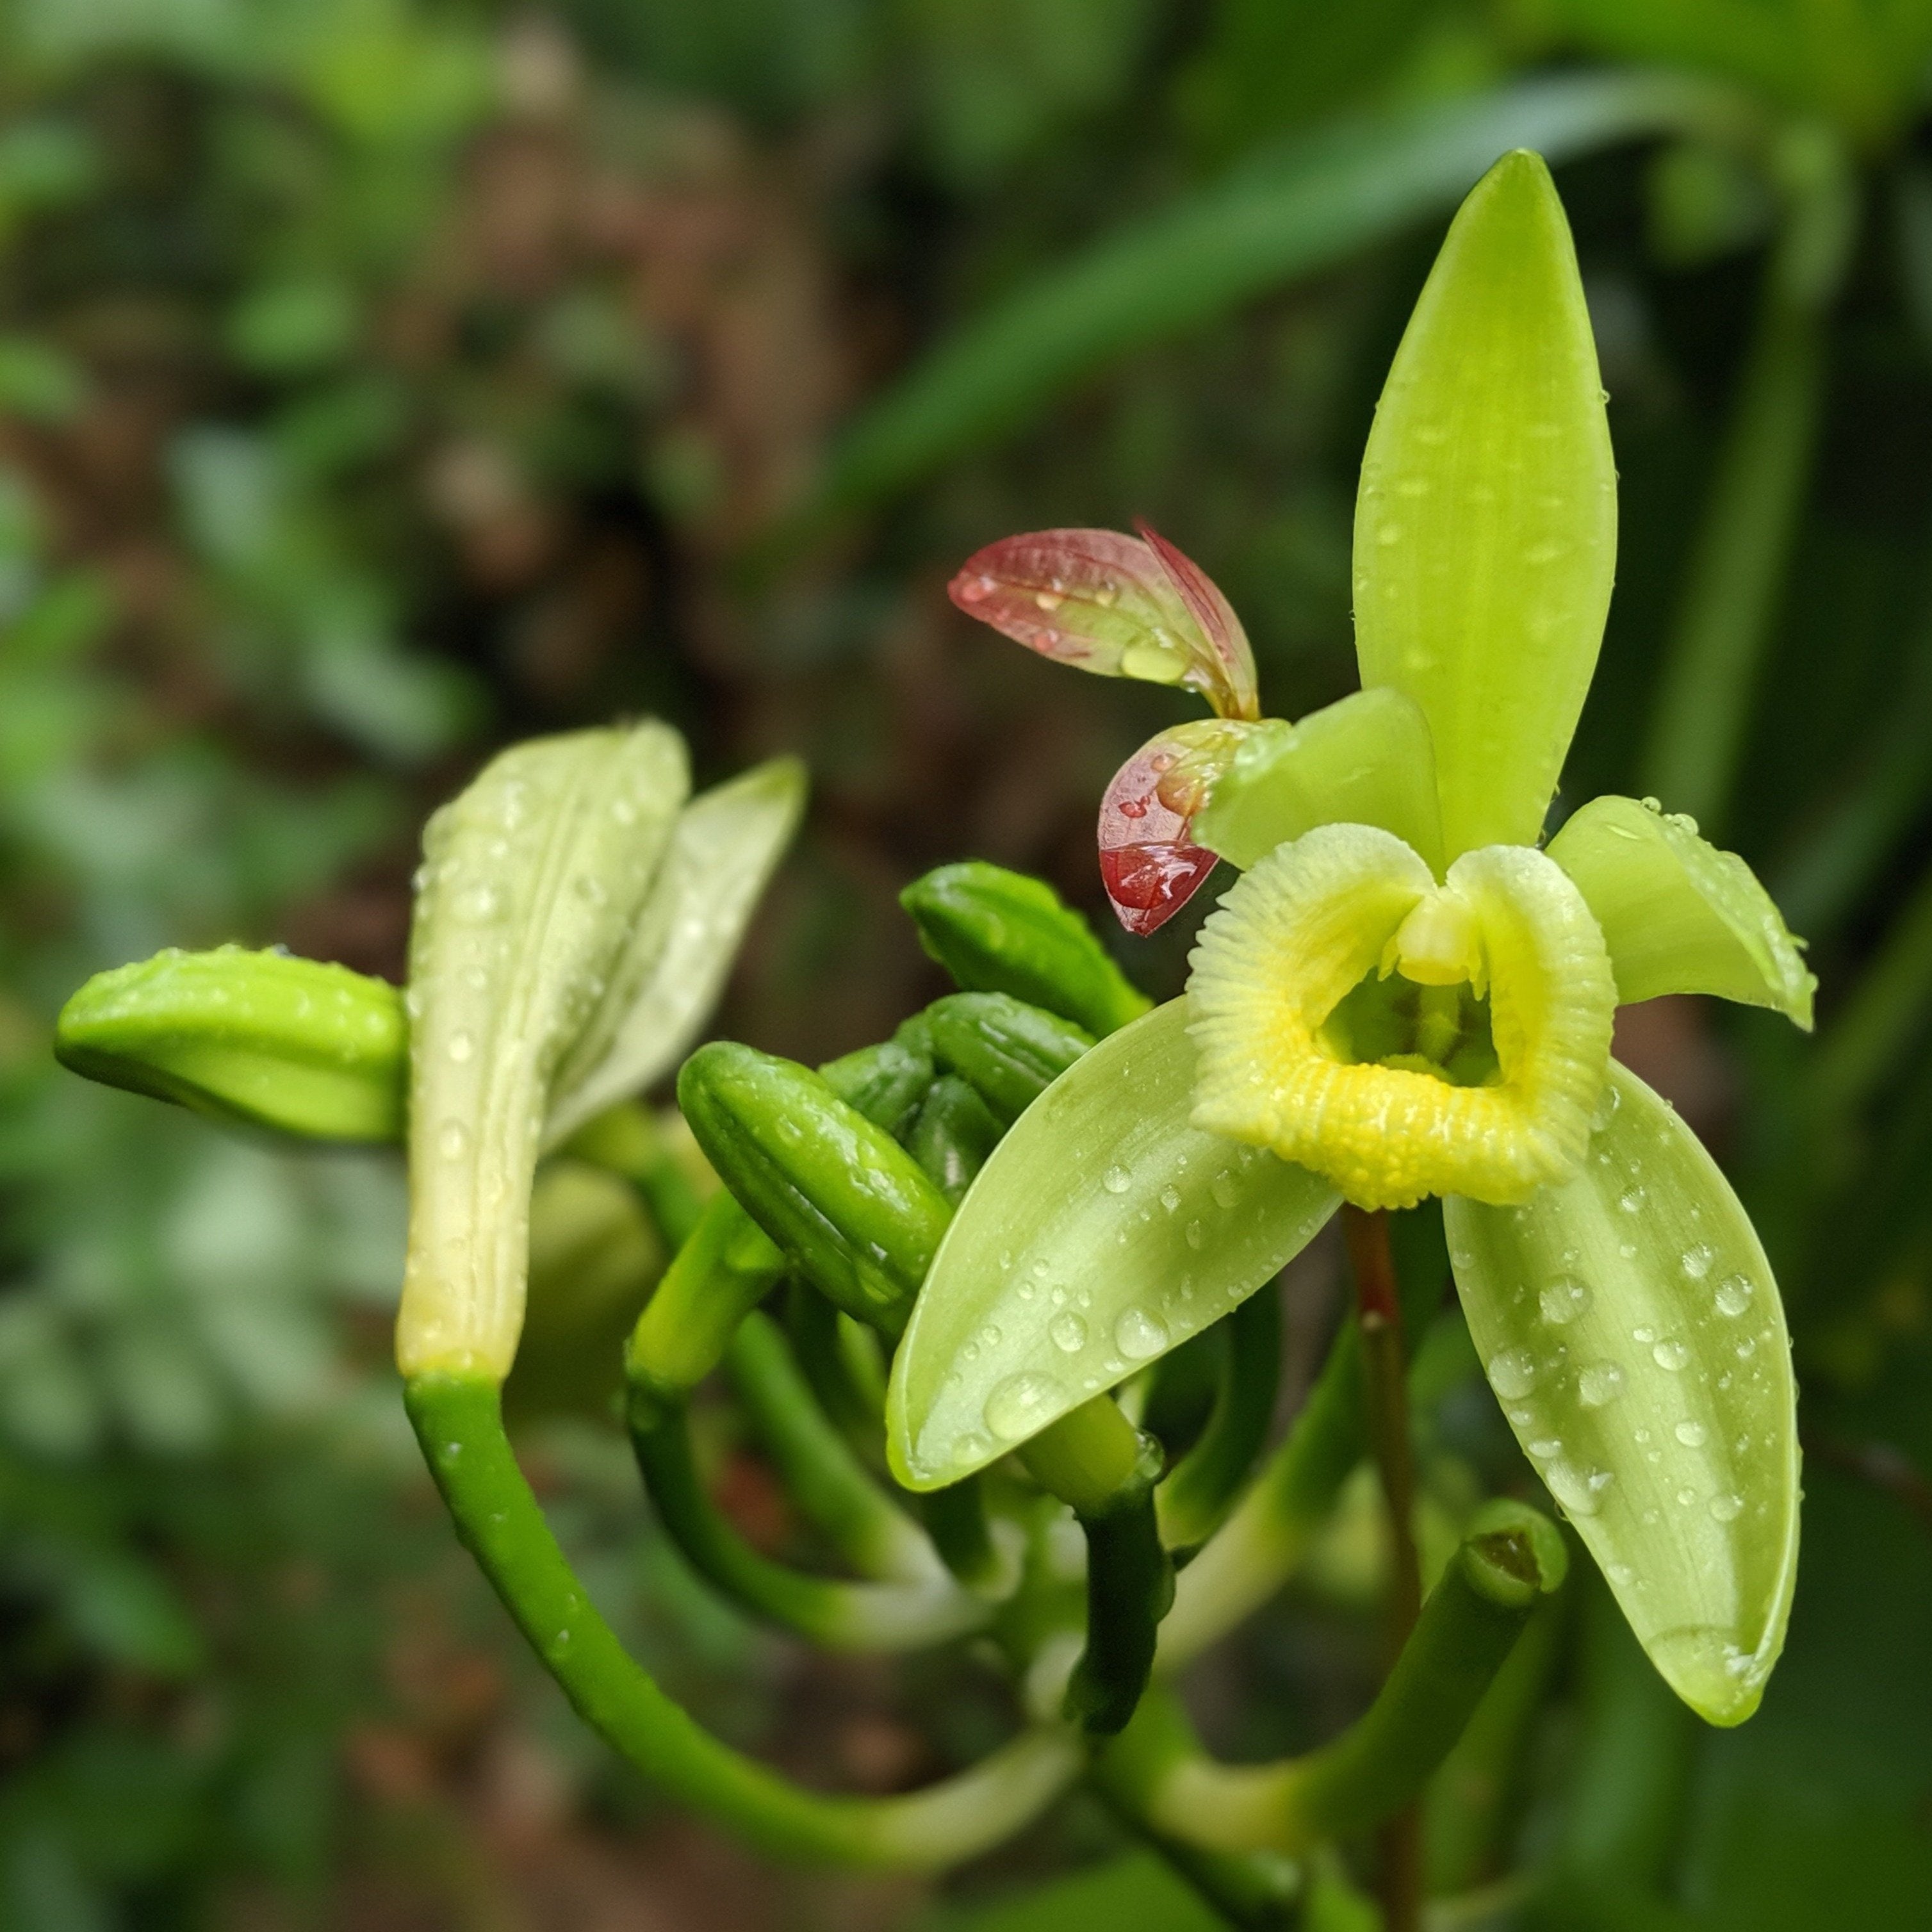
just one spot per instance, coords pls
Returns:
(1236, 694)
(1150, 866)
(1115, 604)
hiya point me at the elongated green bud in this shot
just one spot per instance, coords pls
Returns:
(886, 1082)
(261, 1039)
(1009, 1052)
(837, 1194)
(998, 931)
(953, 1133)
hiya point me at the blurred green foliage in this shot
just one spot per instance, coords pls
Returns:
(382, 379)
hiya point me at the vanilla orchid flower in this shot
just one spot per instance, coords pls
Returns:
(1407, 993)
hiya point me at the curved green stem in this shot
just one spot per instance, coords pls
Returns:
(1511, 1561)
(839, 1616)
(459, 1420)
(722, 1272)
(1738, 565)
(823, 1477)
(819, 1342)
(1252, 1554)
(1257, 1891)
(1473, 1799)
(955, 1519)
(1094, 1459)
(1196, 1497)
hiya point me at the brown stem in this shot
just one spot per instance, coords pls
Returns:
(1378, 1310)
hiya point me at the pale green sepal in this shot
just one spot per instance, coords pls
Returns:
(1678, 915)
(532, 881)
(1632, 1331)
(1104, 1231)
(726, 844)
(261, 1039)
(1364, 760)
(1485, 526)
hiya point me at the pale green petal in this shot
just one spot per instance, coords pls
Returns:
(1104, 1231)
(1632, 1333)
(1678, 915)
(726, 844)
(1365, 760)
(1486, 529)
(1307, 927)
(532, 880)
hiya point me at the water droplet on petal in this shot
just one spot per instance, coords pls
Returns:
(1671, 1355)
(1115, 1181)
(461, 1046)
(1069, 1333)
(1578, 1489)
(1170, 1197)
(1734, 1294)
(1513, 1374)
(1697, 1261)
(1600, 1383)
(1564, 1300)
(1023, 1404)
(1690, 1434)
(1226, 1189)
(1727, 1508)
(451, 1140)
(1138, 1334)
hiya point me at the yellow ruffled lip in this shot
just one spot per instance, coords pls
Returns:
(1388, 1117)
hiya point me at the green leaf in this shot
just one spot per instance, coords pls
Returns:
(532, 882)
(1365, 760)
(1679, 915)
(1314, 202)
(726, 844)
(1104, 1231)
(1630, 1327)
(1485, 526)
(251, 1038)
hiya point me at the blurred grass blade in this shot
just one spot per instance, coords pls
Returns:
(1709, 680)
(1875, 1025)
(1309, 204)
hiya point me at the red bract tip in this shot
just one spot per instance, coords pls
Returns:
(1150, 866)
